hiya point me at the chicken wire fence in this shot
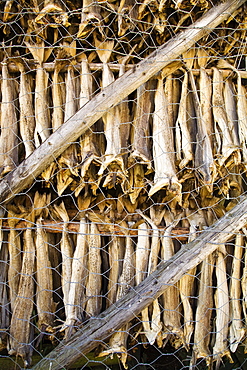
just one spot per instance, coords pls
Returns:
(146, 177)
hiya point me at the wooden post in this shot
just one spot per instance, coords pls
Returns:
(124, 310)
(26, 173)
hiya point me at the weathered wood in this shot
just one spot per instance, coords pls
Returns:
(24, 175)
(167, 273)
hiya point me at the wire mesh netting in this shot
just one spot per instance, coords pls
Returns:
(92, 209)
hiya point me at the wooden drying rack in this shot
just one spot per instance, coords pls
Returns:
(105, 229)
(49, 67)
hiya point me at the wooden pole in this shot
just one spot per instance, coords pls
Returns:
(28, 171)
(124, 310)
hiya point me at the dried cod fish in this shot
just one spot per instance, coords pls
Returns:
(184, 150)
(91, 19)
(15, 253)
(226, 146)
(186, 283)
(152, 328)
(140, 143)
(113, 159)
(242, 119)
(88, 142)
(77, 301)
(127, 16)
(4, 297)
(204, 161)
(67, 255)
(42, 115)
(9, 127)
(46, 307)
(170, 298)
(203, 318)
(94, 279)
(21, 332)
(27, 119)
(118, 341)
(220, 348)
(163, 147)
(53, 14)
(69, 157)
(237, 328)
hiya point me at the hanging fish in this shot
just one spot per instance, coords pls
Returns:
(237, 328)
(76, 303)
(113, 159)
(226, 147)
(139, 161)
(21, 333)
(67, 254)
(94, 278)
(170, 298)
(9, 127)
(42, 113)
(221, 348)
(163, 147)
(27, 118)
(127, 16)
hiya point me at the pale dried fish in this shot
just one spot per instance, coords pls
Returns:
(226, 146)
(113, 159)
(139, 161)
(170, 298)
(204, 161)
(118, 341)
(42, 113)
(187, 282)
(67, 254)
(142, 252)
(94, 279)
(27, 119)
(4, 291)
(78, 281)
(9, 127)
(163, 147)
(115, 250)
(46, 307)
(203, 318)
(15, 260)
(152, 329)
(220, 348)
(237, 327)
(127, 16)
(20, 339)
(184, 150)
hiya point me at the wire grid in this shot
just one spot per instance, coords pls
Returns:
(150, 176)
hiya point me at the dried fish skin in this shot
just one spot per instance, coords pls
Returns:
(226, 146)
(237, 328)
(184, 151)
(203, 326)
(20, 326)
(44, 295)
(77, 292)
(142, 252)
(220, 348)
(116, 243)
(94, 280)
(27, 119)
(163, 148)
(15, 260)
(242, 120)
(66, 247)
(9, 127)
(171, 297)
(127, 16)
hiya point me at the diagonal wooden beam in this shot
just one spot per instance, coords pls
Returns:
(124, 310)
(28, 171)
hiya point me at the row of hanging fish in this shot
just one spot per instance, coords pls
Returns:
(53, 283)
(175, 129)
